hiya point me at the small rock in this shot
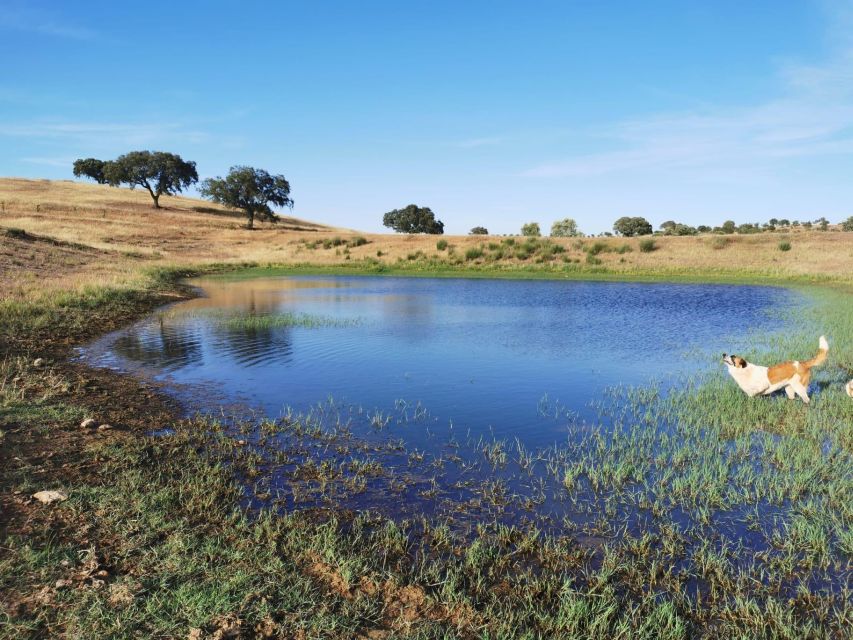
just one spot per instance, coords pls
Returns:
(241, 443)
(89, 423)
(38, 362)
(195, 634)
(62, 584)
(49, 497)
(849, 388)
(105, 427)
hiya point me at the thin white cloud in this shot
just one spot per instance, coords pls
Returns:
(813, 116)
(105, 132)
(50, 162)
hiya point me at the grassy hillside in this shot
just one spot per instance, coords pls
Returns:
(114, 234)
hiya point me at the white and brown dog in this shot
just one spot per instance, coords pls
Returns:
(792, 376)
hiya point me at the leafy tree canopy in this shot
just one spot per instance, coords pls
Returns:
(90, 168)
(252, 190)
(565, 228)
(157, 171)
(531, 229)
(413, 219)
(636, 226)
(478, 231)
(729, 226)
(847, 225)
(671, 228)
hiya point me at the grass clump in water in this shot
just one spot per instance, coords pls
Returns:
(282, 320)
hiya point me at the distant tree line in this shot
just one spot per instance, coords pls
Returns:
(255, 191)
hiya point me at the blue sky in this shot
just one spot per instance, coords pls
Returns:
(491, 113)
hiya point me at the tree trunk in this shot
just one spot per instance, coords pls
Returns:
(154, 196)
(250, 222)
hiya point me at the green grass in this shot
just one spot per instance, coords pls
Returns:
(424, 267)
(279, 320)
(165, 515)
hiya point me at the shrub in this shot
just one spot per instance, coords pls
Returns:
(625, 248)
(333, 242)
(648, 245)
(747, 228)
(522, 253)
(591, 259)
(358, 241)
(18, 234)
(784, 246)
(596, 248)
(441, 245)
(547, 251)
(531, 229)
(720, 242)
(473, 253)
(847, 225)
(413, 219)
(635, 226)
(565, 228)
(479, 231)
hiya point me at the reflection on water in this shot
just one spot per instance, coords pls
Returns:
(479, 354)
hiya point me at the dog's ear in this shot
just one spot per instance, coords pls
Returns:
(739, 362)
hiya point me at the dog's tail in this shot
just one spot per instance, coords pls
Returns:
(820, 358)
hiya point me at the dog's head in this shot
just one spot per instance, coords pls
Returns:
(734, 361)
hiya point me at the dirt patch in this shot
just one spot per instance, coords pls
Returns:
(329, 576)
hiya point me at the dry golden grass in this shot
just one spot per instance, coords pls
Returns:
(119, 232)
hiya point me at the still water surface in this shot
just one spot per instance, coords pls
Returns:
(501, 358)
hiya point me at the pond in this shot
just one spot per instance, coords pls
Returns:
(592, 417)
(501, 358)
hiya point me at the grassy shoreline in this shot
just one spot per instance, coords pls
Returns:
(515, 272)
(153, 540)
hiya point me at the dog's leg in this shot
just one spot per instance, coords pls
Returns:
(801, 390)
(789, 391)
